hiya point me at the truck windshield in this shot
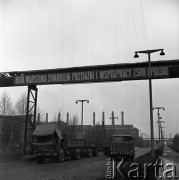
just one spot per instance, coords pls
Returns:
(43, 139)
(120, 139)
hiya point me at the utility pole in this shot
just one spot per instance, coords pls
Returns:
(162, 136)
(159, 122)
(149, 52)
(82, 101)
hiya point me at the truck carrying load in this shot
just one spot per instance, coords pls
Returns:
(47, 129)
(49, 142)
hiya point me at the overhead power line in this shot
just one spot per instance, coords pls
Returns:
(144, 24)
(134, 23)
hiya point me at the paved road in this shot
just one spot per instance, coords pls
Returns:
(171, 158)
(70, 169)
(83, 169)
(141, 151)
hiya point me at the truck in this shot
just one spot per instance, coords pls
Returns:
(119, 146)
(49, 142)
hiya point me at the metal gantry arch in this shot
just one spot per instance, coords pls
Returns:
(87, 74)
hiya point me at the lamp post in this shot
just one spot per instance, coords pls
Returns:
(149, 52)
(82, 101)
(159, 122)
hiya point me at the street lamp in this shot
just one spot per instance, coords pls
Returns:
(82, 101)
(150, 91)
(159, 122)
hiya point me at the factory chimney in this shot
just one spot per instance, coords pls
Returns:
(59, 117)
(46, 117)
(103, 118)
(38, 118)
(68, 118)
(122, 118)
(93, 118)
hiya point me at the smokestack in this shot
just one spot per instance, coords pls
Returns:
(103, 118)
(38, 118)
(94, 118)
(59, 116)
(67, 118)
(46, 117)
(112, 115)
(122, 118)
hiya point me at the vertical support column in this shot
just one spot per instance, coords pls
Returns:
(30, 113)
(82, 119)
(151, 108)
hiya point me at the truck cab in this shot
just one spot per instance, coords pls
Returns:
(120, 146)
(47, 142)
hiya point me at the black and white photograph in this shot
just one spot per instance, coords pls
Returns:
(89, 89)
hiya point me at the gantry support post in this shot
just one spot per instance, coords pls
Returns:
(30, 121)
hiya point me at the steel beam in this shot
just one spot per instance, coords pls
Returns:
(30, 121)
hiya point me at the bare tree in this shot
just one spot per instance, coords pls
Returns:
(6, 104)
(5, 109)
(73, 129)
(21, 104)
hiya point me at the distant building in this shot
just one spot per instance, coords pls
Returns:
(12, 132)
(116, 129)
(123, 129)
(11, 129)
(104, 132)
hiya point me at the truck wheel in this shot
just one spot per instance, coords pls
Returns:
(95, 152)
(60, 156)
(40, 159)
(89, 153)
(77, 154)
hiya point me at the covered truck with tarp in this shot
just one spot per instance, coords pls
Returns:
(120, 146)
(49, 142)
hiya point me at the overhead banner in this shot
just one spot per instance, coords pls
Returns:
(97, 75)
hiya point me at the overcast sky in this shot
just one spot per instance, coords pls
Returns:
(43, 34)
